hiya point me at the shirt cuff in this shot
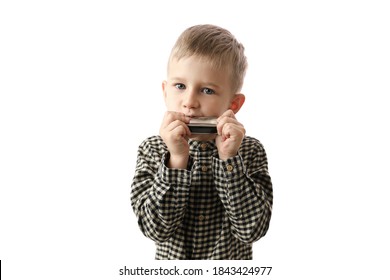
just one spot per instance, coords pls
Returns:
(230, 169)
(173, 176)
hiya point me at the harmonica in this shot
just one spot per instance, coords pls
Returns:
(203, 125)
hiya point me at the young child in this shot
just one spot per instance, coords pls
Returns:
(203, 196)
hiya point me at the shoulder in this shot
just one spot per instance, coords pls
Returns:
(153, 140)
(153, 143)
(250, 143)
(253, 154)
(251, 148)
(152, 150)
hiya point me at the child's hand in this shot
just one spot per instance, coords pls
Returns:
(230, 135)
(174, 131)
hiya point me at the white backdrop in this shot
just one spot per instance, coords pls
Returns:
(80, 86)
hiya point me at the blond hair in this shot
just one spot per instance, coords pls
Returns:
(218, 46)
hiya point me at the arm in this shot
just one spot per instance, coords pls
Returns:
(245, 189)
(158, 194)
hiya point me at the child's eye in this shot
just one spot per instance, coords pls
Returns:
(208, 91)
(180, 86)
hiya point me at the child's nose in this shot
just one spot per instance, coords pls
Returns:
(191, 100)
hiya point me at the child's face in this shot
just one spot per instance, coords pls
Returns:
(195, 88)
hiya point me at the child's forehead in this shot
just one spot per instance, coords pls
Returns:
(208, 61)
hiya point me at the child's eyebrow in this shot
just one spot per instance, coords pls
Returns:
(212, 85)
(176, 79)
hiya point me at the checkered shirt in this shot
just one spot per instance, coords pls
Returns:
(213, 210)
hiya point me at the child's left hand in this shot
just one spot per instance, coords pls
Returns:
(230, 135)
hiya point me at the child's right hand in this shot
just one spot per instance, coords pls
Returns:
(175, 132)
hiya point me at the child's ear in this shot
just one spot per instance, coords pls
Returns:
(237, 102)
(163, 85)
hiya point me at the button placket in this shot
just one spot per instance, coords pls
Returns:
(229, 168)
(204, 156)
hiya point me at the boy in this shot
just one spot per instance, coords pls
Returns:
(203, 196)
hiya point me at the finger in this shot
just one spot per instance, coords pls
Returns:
(228, 113)
(178, 133)
(231, 130)
(176, 124)
(171, 116)
(226, 120)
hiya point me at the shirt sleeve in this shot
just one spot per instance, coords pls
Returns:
(158, 194)
(245, 189)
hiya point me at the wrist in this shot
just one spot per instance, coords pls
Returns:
(177, 161)
(226, 156)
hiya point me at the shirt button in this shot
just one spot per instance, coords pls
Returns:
(203, 146)
(201, 217)
(229, 167)
(204, 168)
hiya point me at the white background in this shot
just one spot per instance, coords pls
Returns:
(80, 85)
